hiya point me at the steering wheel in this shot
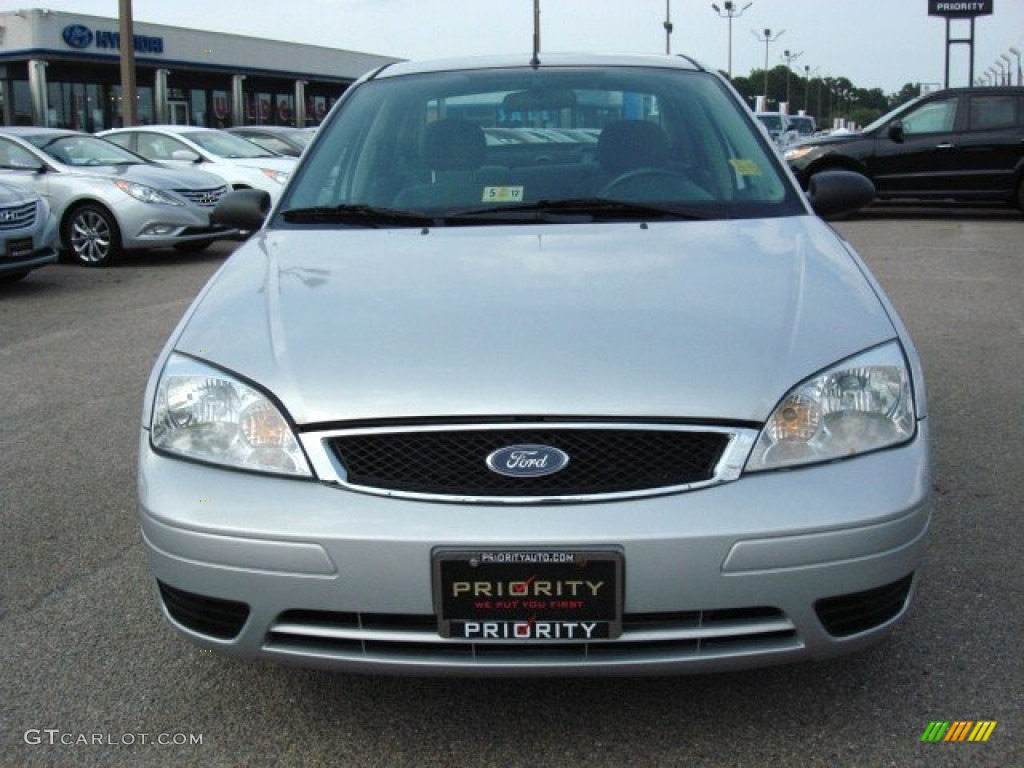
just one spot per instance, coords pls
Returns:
(638, 176)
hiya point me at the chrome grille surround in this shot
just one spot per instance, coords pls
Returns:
(330, 467)
(18, 216)
(667, 637)
(205, 198)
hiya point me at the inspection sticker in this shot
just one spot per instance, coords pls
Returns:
(503, 195)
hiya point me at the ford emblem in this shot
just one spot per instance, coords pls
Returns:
(77, 36)
(527, 460)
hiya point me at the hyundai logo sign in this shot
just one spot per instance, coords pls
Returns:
(527, 460)
(77, 36)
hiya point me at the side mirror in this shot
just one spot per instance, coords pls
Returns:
(896, 132)
(184, 154)
(244, 209)
(836, 192)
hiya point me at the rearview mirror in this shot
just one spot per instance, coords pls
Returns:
(244, 209)
(836, 192)
(184, 154)
(539, 100)
(896, 132)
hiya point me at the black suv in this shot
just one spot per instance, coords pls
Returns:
(963, 144)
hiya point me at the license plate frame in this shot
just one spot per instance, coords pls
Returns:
(18, 248)
(528, 595)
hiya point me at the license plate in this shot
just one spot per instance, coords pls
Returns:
(19, 248)
(528, 595)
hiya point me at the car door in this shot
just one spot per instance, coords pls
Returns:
(991, 147)
(914, 155)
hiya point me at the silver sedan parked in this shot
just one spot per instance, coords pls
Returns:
(108, 200)
(27, 232)
(547, 407)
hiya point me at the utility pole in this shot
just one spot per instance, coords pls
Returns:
(728, 11)
(668, 27)
(768, 38)
(129, 100)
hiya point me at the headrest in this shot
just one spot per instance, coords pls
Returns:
(453, 145)
(628, 144)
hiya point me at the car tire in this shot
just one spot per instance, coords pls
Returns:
(91, 236)
(1020, 195)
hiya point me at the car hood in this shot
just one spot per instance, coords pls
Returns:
(825, 141)
(285, 164)
(152, 175)
(702, 320)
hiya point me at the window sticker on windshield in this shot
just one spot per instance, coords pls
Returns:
(744, 166)
(502, 195)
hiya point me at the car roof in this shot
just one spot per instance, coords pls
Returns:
(25, 130)
(178, 129)
(547, 61)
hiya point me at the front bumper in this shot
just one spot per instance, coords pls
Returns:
(741, 574)
(38, 258)
(146, 226)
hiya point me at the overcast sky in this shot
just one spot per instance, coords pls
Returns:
(876, 43)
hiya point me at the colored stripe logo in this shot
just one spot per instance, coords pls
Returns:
(958, 730)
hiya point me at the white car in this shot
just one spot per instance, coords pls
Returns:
(241, 163)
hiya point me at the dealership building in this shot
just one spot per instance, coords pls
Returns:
(64, 70)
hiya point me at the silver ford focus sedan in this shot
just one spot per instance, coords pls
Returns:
(624, 406)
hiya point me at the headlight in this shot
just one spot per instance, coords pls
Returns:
(202, 413)
(797, 152)
(861, 405)
(279, 176)
(145, 194)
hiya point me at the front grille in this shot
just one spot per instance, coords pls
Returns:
(211, 616)
(207, 198)
(649, 636)
(17, 216)
(601, 461)
(847, 615)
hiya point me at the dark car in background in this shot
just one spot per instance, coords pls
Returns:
(960, 144)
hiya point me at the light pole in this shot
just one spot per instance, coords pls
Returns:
(994, 75)
(1009, 72)
(789, 58)
(766, 40)
(1016, 53)
(1002, 73)
(729, 11)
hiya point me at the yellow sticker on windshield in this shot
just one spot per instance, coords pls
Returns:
(745, 166)
(502, 195)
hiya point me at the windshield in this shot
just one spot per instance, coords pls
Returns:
(472, 143)
(891, 115)
(226, 145)
(772, 122)
(83, 150)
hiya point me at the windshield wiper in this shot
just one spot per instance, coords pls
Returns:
(594, 208)
(363, 215)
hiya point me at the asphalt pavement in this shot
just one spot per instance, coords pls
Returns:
(90, 674)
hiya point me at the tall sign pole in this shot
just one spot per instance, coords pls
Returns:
(129, 101)
(960, 9)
